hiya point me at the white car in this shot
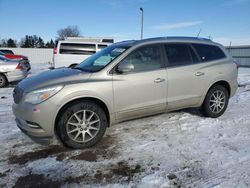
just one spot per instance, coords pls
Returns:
(12, 70)
(73, 51)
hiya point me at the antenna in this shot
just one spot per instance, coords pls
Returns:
(199, 33)
(210, 37)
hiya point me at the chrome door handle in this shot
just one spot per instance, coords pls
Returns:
(199, 74)
(158, 80)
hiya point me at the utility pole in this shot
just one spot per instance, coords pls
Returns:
(141, 9)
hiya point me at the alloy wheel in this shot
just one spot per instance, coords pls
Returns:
(217, 101)
(83, 126)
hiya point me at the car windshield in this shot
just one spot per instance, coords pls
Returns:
(102, 58)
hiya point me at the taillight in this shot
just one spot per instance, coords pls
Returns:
(55, 50)
(19, 66)
(237, 65)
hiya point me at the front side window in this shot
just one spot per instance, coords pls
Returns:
(145, 58)
(180, 54)
(102, 58)
(209, 52)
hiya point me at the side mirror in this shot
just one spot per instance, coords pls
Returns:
(73, 65)
(125, 67)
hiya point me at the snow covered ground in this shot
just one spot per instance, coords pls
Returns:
(178, 149)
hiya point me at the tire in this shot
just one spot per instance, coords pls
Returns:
(3, 80)
(72, 123)
(211, 106)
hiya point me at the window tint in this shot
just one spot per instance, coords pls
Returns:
(209, 52)
(145, 58)
(180, 54)
(77, 48)
(108, 40)
(101, 46)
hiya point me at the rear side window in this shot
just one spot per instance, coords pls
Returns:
(209, 52)
(77, 48)
(180, 54)
(108, 40)
(101, 46)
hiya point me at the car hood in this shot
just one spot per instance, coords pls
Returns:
(61, 76)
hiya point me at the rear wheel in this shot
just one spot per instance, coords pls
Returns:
(3, 80)
(82, 125)
(215, 102)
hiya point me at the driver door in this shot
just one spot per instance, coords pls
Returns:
(143, 91)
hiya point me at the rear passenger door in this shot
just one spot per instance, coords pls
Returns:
(185, 78)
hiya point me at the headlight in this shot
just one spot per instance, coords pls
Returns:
(41, 95)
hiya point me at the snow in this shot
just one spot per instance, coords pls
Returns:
(181, 148)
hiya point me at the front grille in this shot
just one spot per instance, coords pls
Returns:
(17, 94)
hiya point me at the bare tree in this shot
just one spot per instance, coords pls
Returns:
(69, 31)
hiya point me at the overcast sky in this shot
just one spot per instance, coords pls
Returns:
(222, 20)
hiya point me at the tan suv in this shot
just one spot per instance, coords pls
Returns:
(124, 81)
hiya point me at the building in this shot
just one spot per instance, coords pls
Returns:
(241, 54)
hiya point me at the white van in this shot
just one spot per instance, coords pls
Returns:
(74, 50)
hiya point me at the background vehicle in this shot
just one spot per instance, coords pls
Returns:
(124, 81)
(12, 70)
(5, 51)
(75, 50)
(10, 55)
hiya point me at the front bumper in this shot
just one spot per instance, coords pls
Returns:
(38, 139)
(36, 121)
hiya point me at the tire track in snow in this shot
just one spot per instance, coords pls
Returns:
(221, 175)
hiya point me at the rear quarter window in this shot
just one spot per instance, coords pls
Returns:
(209, 52)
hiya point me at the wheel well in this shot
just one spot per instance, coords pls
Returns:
(223, 83)
(95, 100)
(4, 76)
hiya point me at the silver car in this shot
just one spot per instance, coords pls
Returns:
(12, 70)
(126, 80)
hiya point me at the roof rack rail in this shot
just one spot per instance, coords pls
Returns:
(176, 38)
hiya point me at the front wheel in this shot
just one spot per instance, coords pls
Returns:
(82, 125)
(216, 101)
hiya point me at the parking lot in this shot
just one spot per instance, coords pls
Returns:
(178, 149)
